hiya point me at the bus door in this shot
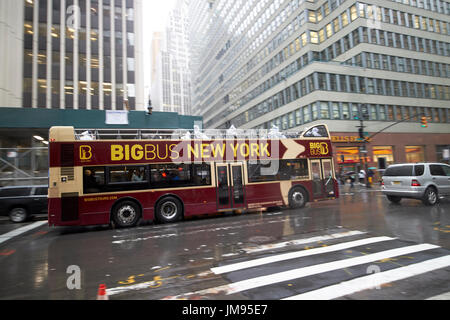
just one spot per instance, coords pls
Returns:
(328, 182)
(322, 178)
(316, 176)
(230, 186)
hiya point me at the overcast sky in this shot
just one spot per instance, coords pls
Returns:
(155, 19)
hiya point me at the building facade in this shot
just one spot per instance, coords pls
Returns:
(75, 54)
(171, 78)
(293, 63)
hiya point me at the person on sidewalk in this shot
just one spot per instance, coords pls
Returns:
(362, 176)
(370, 175)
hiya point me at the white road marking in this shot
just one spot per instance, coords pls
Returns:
(302, 241)
(376, 279)
(310, 270)
(444, 296)
(297, 254)
(16, 232)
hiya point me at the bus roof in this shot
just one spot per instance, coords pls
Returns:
(70, 134)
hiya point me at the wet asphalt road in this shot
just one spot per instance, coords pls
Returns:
(175, 261)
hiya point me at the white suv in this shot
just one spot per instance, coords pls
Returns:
(424, 181)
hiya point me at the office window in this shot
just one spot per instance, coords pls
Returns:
(355, 111)
(306, 114)
(344, 18)
(315, 111)
(353, 13)
(382, 112)
(345, 111)
(298, 117)
(373, 112)
(390, 110)
(324, 110)
(336, 113)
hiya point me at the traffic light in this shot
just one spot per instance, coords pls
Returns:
(424, 122)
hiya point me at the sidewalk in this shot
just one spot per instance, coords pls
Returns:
(359, 187)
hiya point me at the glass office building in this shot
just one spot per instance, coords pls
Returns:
(292, 63)
(171, 78)
(82, 54)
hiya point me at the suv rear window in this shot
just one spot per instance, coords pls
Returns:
(15, 192)
(419, 169)
(437, 170)
(399, 171)
(41, 191)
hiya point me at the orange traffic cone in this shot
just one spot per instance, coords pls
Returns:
(101, 295)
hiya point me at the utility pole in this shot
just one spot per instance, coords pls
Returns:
(362, 114)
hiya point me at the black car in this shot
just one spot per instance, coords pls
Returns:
(21, 202)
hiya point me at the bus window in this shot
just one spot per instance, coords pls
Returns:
(121, 174)
(170, 175)
(294, 169)
(202, 174)
(260, 172)
(93, 179)
(283, 170)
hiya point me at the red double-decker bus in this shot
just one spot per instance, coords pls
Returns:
(165, 177)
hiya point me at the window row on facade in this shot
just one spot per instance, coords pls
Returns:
(386, 15)
(325, 110)
(400, 64)
(440, 6)
(339, 83)
(346, 43)
(238, 57)
(376, 13)
(357, 36)
(325, 9)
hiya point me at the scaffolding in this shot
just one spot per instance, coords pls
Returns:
(23, 166)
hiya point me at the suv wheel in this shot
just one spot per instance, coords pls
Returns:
(430, 197)
(394, 199)
(18, 215)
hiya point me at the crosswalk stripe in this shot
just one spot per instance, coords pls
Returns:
(312, 270)
(303, 241)
(19, 231)
(297, 254)
(373, 280)
(443, 296)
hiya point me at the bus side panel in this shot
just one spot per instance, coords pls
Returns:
(263, 195)
(308, 186)
(196, 201)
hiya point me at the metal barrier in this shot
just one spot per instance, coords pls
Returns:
(23, 166)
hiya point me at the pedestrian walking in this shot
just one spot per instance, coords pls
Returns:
(362, 176)
(370, 175)
(352, 180)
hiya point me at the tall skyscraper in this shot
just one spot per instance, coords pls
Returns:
(292, 63)
(170, 71)
(76, 54)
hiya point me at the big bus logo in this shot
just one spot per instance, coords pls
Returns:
(318, 148)
(85, 152)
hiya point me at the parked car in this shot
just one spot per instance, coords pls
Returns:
(21, 202)
(424, 181)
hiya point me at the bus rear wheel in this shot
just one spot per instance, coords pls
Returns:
(168, 210)
(126, 214)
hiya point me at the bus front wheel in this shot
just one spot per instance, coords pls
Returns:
(168, 210)
(126, 214)
(297, 198)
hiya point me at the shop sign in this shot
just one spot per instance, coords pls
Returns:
(347, 139)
